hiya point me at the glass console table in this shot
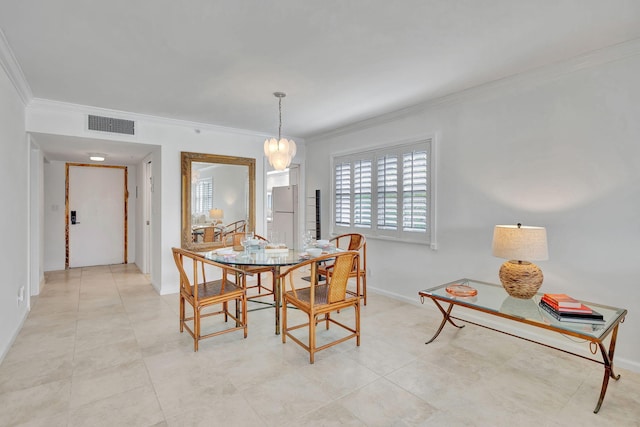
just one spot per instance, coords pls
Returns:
(493, 300)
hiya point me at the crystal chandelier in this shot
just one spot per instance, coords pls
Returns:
(279, 151)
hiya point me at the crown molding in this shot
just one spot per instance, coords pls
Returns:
(532, 77)
(14, 71)
(41, 103)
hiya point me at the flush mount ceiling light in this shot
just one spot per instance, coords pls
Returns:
(279, 151)
(97, 157)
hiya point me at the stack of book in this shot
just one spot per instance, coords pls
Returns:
(567, 309)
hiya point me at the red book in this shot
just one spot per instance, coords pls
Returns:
(582, 309)
(564, 300)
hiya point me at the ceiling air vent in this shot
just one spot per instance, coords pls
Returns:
(109, 124)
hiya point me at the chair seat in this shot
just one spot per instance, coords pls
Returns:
(214, 290)
(304, 294)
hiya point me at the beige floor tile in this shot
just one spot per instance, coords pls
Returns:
(136, 407)
(41, 401)
(100, 384)
(105, 356)
(331, 415)
(383, 403)
(228, 411)
(289, 396)
(22, 375)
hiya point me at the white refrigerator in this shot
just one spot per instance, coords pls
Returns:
(285, 213)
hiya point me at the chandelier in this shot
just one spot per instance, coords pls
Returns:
(279, 151)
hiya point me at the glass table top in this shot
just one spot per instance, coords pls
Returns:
(493, 298)
(262, 257)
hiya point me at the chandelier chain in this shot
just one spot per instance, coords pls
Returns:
(279, 118)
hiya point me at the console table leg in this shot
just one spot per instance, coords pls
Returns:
(607, 357)
(446, 317)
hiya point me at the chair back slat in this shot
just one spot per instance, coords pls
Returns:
(340, 276)
(355, 242)
(185, 283)
(209, 234)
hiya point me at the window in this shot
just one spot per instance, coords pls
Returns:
(385, 192)
(203, 195)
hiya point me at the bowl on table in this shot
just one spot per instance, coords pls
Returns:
(314, 252)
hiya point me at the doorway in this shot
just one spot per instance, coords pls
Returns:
(148, 204)
(95, 214)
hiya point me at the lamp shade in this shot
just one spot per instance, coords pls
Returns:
(216, 214)
(523, 243)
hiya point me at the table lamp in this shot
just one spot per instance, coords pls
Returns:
(216, 215)
(520, 245)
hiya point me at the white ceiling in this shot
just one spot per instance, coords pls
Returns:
(339, 61)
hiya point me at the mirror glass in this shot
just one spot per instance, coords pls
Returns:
(218, 197)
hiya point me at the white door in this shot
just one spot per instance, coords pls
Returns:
(96, 221)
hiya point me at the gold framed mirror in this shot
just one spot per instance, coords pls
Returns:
(218, 197)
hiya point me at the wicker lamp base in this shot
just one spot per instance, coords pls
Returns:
(521, 279)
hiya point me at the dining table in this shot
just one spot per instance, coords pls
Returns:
(264, 258)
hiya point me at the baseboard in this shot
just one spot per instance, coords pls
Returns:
(6, 349)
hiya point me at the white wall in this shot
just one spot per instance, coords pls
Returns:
(36, 220)
(54, 220)
(167, 139)
(14, 216)
(558, 148)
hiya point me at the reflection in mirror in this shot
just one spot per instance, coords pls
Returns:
(218, 198)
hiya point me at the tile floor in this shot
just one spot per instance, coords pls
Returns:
(101, 348)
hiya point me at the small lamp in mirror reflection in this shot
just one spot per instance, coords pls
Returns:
(520, 245)
(216, 215)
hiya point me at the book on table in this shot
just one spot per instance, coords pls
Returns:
(563, 300)
(582, 309)
(593, 317)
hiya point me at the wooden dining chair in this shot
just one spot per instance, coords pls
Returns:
(235, 239)
(209, 234)
(351, 242)
(320, 300)
(209, 284)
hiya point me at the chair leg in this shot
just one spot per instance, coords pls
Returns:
(326, 319)
(273, 286)
(181, 314)
(243, 301)
(357, 310)
(238, 306)
(284, 321)
(196, 327)
(312, 337)
(364, 287)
